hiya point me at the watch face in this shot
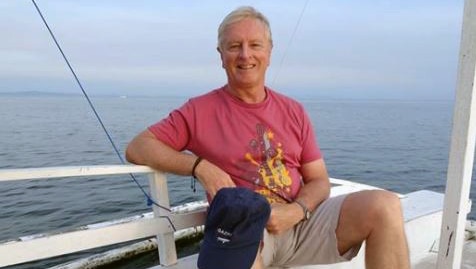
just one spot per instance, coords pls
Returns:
(307, 213)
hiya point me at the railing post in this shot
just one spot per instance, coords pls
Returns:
(463, 140)
(165, 241)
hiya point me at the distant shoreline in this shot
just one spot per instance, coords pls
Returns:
(37, 93)
(59, 94)
(300, 98)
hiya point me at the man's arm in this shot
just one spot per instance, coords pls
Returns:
(146, 149)
(317, 186)
(315, 190)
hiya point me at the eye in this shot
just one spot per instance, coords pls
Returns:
(256, 45)
(233, 47)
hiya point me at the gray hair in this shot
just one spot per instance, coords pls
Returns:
(239, 14)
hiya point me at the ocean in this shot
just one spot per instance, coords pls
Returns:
(399, 145)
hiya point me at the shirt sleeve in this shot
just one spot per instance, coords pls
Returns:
(174, 130)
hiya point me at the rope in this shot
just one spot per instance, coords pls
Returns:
(289, 44)
(150, 201)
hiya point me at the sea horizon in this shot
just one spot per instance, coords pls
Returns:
(299, 97)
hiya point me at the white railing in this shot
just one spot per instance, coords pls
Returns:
(462, 146)
(31, 248)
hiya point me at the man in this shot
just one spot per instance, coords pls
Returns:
(248, 135)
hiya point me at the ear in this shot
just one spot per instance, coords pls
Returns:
(221, 57)
(269, 56)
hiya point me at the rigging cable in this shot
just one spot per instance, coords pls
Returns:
(150, 201)
(289, 43)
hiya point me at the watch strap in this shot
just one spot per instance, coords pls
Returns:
(306, 211)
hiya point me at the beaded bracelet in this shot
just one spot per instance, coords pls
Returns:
(197, 161)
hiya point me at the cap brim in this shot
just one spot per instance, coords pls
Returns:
(211, 257)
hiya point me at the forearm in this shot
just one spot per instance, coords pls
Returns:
(145, 149)
(316, 184)
(314, 193)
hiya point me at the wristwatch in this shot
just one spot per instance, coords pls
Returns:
(307, 213)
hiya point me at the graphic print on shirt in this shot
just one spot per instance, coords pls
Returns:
(272, 178)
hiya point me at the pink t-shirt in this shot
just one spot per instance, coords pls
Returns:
(261, 146)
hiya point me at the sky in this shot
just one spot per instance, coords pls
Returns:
(401, 49)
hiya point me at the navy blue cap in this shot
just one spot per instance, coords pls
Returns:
(233, 230)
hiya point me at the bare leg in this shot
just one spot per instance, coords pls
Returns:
(376, 217)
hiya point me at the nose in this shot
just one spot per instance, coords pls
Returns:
(245, 51)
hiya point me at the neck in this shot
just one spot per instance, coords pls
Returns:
(248, 95)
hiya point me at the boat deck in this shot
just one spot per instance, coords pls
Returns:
(468, 260)
(429, 262)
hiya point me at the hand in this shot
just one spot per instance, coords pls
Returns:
(283, 217)
(212, 177)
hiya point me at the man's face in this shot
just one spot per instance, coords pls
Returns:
(245, 53)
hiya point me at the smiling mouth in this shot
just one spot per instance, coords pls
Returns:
(246, 67)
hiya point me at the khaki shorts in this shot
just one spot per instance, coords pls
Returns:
(309, 242)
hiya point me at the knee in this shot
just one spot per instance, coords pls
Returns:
(384, 206)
